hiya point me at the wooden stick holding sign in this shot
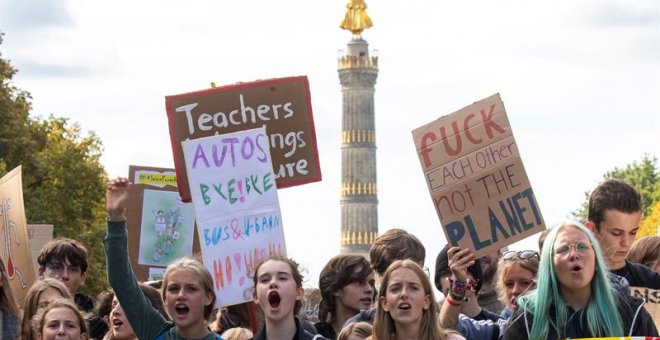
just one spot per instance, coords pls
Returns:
(238, 214)
(477, 180)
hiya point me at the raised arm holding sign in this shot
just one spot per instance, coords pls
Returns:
(477, 180)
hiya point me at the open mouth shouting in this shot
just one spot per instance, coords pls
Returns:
(182, 310)
(274, 299)
(404, 307)
(116, 323)
(576, 269)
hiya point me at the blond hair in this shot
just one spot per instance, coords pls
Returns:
(237, 333)
(384, 326)
(39, 319)
(203, 274)
(361, 329)
(645, 251)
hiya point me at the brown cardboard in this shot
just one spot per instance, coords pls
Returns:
(15, 249)
(39, 235)
(282, 105)
(476, 178)
(652, 305)
(134, 213)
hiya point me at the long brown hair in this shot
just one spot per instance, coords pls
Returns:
(384, 326)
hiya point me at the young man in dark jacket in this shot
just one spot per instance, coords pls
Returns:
(615, 210)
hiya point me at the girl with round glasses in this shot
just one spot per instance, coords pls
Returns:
(574, 298)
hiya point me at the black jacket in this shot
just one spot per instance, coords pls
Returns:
(97, 326)
(301, 333)
(639, 275)
(635, 319)
(326, 330)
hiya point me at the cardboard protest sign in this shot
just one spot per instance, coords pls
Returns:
(477, 180)
(652, 305)
(39, 235)
(238, 215)
(282, 105)
(16, 253)
(161, 226)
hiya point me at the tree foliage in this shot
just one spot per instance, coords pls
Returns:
(63, 179)
(651, 222)
(645, 177)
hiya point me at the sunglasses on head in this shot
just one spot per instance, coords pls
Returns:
(523, 255)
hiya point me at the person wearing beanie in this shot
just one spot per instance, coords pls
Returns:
(470, 306)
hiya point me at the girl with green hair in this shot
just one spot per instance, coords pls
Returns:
(574, 298)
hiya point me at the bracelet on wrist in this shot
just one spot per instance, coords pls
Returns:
(457, 284)
(453, 302)
(457, 297)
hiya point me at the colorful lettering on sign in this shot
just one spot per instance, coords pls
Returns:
(231, 147)
(244, 263)
(251, 226)
(235, 190)
(487, 124)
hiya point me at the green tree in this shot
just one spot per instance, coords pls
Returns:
(15, 136)
(643, 175)
(67, 189)
(63, 179)
(651, 222)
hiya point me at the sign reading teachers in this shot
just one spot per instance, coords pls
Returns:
(282, 105)
(477, 180)
(239, 223)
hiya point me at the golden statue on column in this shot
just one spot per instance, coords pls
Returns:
(356, 19)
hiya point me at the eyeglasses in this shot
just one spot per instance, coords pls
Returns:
(523, 255)
(580, 248)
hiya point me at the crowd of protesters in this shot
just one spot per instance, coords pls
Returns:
(575, 285)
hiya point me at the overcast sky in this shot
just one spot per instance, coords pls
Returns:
(580, 81)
